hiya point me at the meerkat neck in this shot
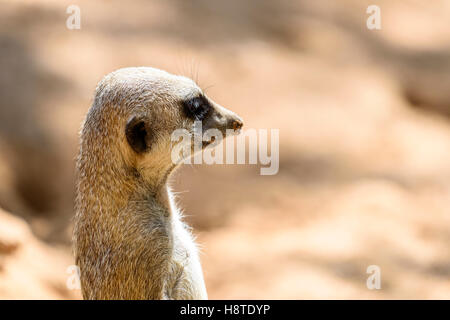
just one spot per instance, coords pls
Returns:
(122, 232)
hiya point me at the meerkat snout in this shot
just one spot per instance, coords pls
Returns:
(213, 115)
(224, 119)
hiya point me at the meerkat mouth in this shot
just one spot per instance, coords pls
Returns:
(206, 143)
(229, 132)
(235, 131)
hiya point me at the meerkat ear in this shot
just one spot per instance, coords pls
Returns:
(138, 133)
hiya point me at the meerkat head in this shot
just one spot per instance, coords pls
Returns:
(145, 106)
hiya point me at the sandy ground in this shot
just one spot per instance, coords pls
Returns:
(364, 175)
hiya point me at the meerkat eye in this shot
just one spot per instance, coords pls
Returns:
(196, 108)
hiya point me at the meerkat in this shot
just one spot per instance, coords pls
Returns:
(129, 238)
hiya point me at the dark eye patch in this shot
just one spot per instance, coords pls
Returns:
(197, 108)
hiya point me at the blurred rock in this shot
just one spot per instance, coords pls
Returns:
(30, 269)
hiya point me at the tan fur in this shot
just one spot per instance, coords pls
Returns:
(129, 239)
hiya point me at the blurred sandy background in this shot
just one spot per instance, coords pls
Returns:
(364, 139)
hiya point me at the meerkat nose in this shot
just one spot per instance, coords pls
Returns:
(237, 123)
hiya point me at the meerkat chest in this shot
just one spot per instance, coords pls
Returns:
(188, 282)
